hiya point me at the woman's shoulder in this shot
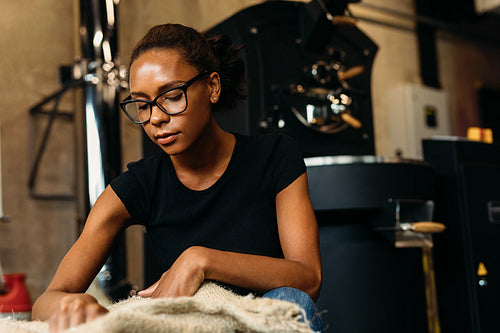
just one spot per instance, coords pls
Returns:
(269, 142)
(146, 170)
(141, 177)
(264, 139)
(148, 162)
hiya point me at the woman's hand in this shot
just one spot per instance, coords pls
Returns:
(74, 310)
(183, 278)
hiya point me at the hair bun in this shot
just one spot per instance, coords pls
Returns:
(231, 69)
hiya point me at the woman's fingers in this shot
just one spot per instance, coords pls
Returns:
(73, 312)
(77, 314)
(60, 320)
(93, 311)
(149, 291)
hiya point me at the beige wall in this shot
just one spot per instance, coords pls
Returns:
(38, 36)
(466, 65)
(35, 37)
(396, 60)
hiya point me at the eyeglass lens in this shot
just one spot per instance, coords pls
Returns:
(172, 102)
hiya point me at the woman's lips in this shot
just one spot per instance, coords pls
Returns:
(166, 138)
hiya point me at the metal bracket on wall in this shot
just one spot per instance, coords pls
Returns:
(83, 73)
(36, 156)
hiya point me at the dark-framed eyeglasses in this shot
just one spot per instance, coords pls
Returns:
(171, 101)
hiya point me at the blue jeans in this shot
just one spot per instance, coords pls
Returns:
(303, 300)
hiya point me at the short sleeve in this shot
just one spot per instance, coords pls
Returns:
(129, 187)
(287, 163)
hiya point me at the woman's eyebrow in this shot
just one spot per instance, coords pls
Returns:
(160, 89)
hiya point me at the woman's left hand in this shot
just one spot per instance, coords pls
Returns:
(183, 278)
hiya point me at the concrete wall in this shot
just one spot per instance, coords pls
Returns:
(465, 66)
(39, 36)
(36, 37)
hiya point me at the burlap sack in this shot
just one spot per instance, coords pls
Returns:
(211, 309)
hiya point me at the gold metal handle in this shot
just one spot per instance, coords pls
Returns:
(427, 227)
(350, 73)
(355, 123)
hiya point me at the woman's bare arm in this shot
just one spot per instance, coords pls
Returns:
(85, 258)
(300, 268)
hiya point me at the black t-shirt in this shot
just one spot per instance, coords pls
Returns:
(237, 213)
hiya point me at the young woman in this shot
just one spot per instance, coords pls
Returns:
(217, 205)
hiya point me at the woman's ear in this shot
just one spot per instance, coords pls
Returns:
(214, 87)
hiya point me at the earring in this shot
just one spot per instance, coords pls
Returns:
(214, 98)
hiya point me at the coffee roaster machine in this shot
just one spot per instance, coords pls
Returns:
(309, 72)
(308, 75)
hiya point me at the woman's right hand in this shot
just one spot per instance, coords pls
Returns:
(73, 310)
(64, 303)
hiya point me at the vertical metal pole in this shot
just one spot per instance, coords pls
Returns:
(102, 151)
(430, 290)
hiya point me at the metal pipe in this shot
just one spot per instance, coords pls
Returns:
(100, 121)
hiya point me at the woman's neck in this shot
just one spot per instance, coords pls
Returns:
(205, 162)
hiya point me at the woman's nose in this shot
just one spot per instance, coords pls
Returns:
(158, 116)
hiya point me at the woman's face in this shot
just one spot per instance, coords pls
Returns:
(157, 70)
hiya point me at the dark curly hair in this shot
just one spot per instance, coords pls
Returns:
(214, 53)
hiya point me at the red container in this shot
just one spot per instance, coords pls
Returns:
(15, 301)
